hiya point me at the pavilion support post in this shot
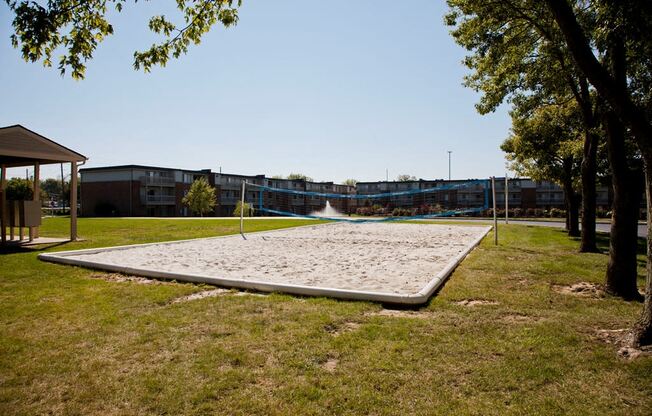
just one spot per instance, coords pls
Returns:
(3, 204)
(73, 201)
(36, 196)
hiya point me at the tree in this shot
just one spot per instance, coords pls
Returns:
(546, 144)
(19, 189)
(299, 177)
(630, 100)
(51, 187)
(78, 27)
(350, 182)
(518, 57)
(200, 197)
(405, 178)
(628, 182)
(248, 209)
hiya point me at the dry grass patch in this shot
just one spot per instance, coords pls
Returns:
(339, 329)
(121, 278)
(585, 289)
(476, 302)
(623, 340)
(201, 295)
(399, 313)
(330, 365)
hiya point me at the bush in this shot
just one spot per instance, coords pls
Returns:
(401, 212)
(247, 212)
(365, 211)
(557, 213)
(19, 189)
(378, 210)
(435, 209)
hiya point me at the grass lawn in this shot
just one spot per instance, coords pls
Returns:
(72, 342)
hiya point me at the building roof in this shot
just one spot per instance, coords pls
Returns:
(20, 146)
(122, 167)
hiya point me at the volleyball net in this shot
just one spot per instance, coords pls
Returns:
(419, 201)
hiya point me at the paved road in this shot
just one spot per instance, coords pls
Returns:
(642, 228)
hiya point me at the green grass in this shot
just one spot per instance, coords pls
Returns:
(71, 343)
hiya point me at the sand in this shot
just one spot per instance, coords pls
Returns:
(397, 258)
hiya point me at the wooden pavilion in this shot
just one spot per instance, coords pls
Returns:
(19, 147)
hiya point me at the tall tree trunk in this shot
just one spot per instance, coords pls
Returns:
(643, 328)
(574, 215)
(571, 201)
(623, 242)
(589, 172)
(588, 167)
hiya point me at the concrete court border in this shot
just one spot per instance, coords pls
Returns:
(421, 297)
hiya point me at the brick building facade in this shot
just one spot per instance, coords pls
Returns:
(135, 190)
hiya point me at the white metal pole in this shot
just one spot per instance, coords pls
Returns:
(506, 199)
(242, 202)
(493, 193)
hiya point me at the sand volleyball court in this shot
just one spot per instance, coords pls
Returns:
(386, 262)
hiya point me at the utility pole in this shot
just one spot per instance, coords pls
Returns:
(386, 175)
(449, 164)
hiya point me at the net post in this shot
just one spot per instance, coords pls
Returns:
(493, 193)
(242, 201)
(506, 199)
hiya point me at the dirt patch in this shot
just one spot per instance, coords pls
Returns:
(584, 289)
(398, 313)
(623, 340)
(240, 293)
(120, 278)
(200, 295)
(330, 365)
(339, 329)
(476, 302)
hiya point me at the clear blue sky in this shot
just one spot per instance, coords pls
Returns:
(332, 89)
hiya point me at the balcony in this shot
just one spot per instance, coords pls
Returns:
(160, 200)
(157, 180)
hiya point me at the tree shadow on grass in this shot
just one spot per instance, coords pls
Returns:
(602, 241)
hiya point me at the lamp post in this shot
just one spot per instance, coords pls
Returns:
(449, 164)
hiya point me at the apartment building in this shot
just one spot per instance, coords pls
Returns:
(523, 193)
(231, 187)
(136, 190)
